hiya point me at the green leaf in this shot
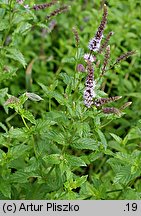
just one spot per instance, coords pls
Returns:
(134, 133)
(88, 190)
(23, 98)
(3, 93)
(66, 78)
(85, 143)
(74, 161)
(134, 94)
(15, 133)
(102, 137)
(59, 97)
(20, 177)
(16, 55)
(8, 72)
(56, 137)
(4, 24)
(52, 159)
(18, 151)
(23, 28)
(80, 180)
(28, 115)
(68, 60)
(57, 116)
(3, 127)
(80, 53)
(117, 138)
(5, 188)
(123, 176)
(94, 156)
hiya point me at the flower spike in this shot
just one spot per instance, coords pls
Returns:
(94, 44)
(89, 93)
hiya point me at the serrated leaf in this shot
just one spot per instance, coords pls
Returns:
(20, 177)
(57, 116)
(68, 60)
(117, 138)
(59, 97)
(3, 92)
(56, 137)
(134, 94)
(2, 153)
(17, 132)
(17, 151)
(4, 24)
(88, 190)
(43, 125)
(5, 188)
(23, 28)
(78, 182)
(3, 127)
(94, 156)
(102, 138)
(80, 53)
(74, 161)
(16, 55)
(28, 115)
(45, 88)
(22, 99)
(52, 159)
(66, 78)
(85, 143)
(134, 133)
(123, 176)
(8, 72)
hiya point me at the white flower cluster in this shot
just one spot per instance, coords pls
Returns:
(89, 57)
(94, 44)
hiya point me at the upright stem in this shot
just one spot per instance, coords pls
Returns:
(25, 122)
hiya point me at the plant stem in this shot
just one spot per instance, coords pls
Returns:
(113, 191)
(49, 104)
(106, 123)
(25, 122)
(9, 119)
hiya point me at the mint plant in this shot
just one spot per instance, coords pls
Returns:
(64, 152)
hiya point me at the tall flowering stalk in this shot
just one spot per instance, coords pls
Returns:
(106, 59)
(105, 43)
(57, 11)
(110, 110)
(94, 44)
(77, 39)
(101, 101)
(43, 6)
(89, 95)
(89, 92)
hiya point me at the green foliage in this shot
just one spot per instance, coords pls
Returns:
(51, 145)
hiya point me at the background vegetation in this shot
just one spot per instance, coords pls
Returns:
(56, 148)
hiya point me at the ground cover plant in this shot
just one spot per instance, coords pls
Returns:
(70, 122)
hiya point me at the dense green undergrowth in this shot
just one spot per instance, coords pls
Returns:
(51, 145)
